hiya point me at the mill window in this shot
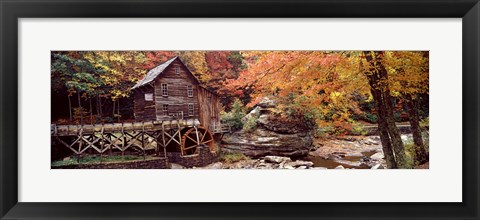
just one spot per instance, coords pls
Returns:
(177, 70)
(165, 109)
(164, 89)
(190, 109)
(190, 91)
(148, 96)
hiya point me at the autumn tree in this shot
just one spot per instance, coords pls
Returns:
(377, 76)
(196, 63)
(155, 58)
(409, 80)
(314, 84)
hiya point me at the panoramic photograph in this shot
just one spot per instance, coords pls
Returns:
(291, 110)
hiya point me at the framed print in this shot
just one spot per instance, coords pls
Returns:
(285, 109)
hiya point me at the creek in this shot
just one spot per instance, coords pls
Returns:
(354, 162)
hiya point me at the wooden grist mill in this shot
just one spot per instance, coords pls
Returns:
(175, 117)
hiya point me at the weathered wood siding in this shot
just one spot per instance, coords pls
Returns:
(210, 109)
(177, 99)
(143, 110)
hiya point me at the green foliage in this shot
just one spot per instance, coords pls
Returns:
(231, 157)
(251, 123)
(323, 132)
(426, 139)
(235, 115)
(397, 116)
(410, 163)
(358, 129)
(372, 118)
(425, 123)
(94, 159)
(410, 150)
(75, 73)
(236, 59)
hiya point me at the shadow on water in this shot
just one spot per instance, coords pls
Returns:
(331, 164)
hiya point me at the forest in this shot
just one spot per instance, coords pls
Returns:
(333, 93)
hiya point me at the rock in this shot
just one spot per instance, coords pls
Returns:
(369, 141)
(255, 113)
(319, 168)
(176, 166)
(217, 165)
(314, 147)
(340, 167)
(347, 138)
(299, 163)
(377, 156)
(377, 166)
(339, 154)
(66, 158)
(354, 154)
(267, 103)
(286, 166)
(277, 159)
(365, 159)
(273, 135)
(333, 157)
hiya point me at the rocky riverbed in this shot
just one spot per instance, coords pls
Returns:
(346, 152)
(267, 162)
(356, 152)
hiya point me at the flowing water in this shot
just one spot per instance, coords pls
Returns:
(331, 164)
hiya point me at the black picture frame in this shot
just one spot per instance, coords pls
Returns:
(12, 10)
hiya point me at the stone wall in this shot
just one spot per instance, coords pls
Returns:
(203, 158)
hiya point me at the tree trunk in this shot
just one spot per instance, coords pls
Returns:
(118, 110)
(421, 155)
(80, 107)
(398, 147)
(97, 105)
(91, 111)
(383, 129)
(113, 111)
(389, 135)
(70, 108)
(100, 104)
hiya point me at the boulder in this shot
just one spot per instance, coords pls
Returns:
(267, 103)
(273, 135)
(340, 167)
(319, 168)
(277, 159)
(176, 166)
(300, 163)
(217, 165)
(377, 156)
(377, 166)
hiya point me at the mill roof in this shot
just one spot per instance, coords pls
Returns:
(153, 73)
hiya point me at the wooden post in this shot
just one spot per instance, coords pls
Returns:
(80, 144)
(102, 143)
(163, 140)
(179, 136)
(123, 143)
(143, 139)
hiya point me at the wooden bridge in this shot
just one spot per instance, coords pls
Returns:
(161, 136)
